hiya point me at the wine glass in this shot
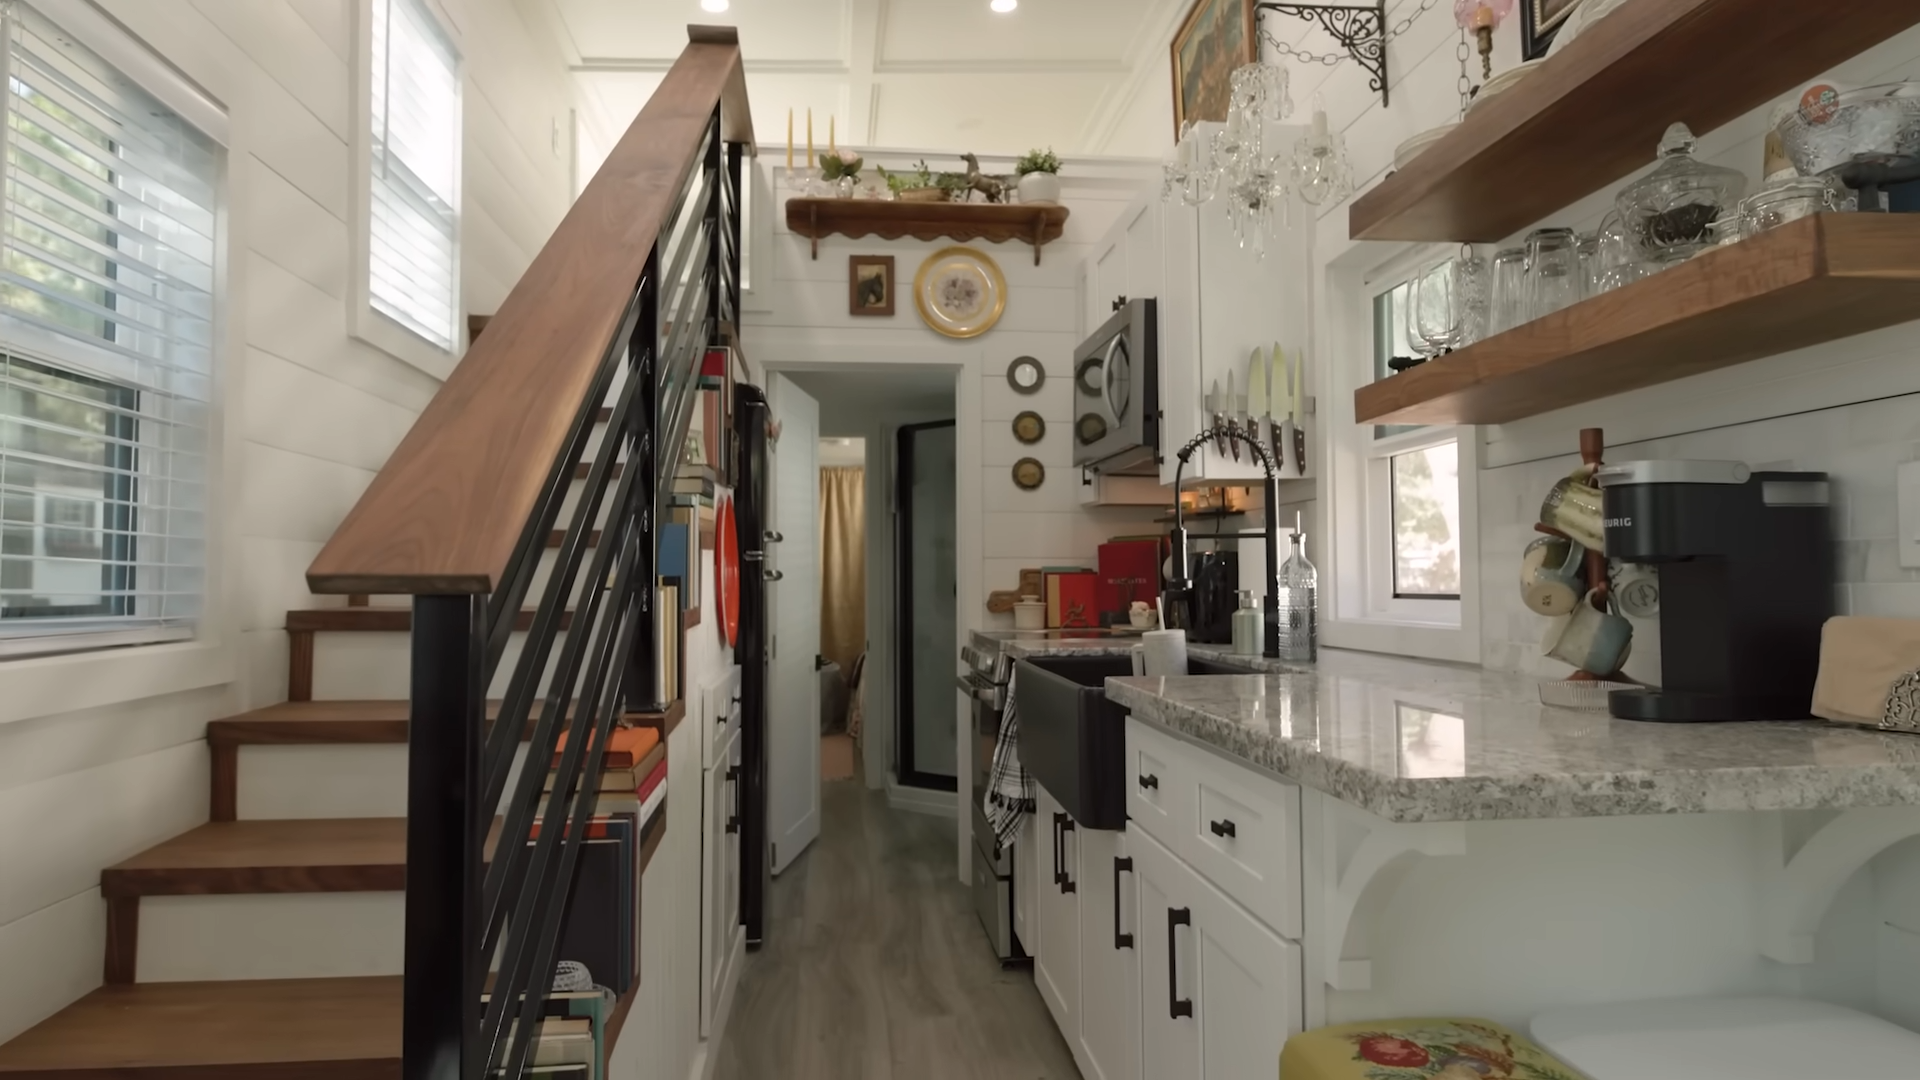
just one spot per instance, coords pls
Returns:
(1434, 322)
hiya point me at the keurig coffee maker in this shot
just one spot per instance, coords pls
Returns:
(1745, 561)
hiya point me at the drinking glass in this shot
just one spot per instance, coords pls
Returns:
(1586, 250)
(1507, 305)
(1619, 257)
(1553, 272)
(1434, 311)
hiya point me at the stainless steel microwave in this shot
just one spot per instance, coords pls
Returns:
(1116, 393)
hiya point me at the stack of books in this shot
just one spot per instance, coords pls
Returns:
(601, 929)
(571, 1041)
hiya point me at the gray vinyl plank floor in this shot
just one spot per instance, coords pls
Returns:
(875, 967)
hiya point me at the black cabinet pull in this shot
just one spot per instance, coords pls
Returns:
(1120, 866)
(733, 817)
(1148, 780)
(1067, 884)
(1056, 849)
(1223, 827)
(1177, 1006)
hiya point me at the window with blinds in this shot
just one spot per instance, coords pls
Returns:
(412, 269)
(106, 350)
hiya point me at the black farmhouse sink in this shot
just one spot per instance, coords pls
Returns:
(1073, 740)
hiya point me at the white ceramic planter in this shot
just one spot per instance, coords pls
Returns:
(1040, 187)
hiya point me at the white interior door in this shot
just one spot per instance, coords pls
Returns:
(793, 703)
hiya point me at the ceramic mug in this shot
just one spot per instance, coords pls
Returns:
(1574, 508)
(1140, 615)
(1637, 588)
(1597, 642)
(1552, 575)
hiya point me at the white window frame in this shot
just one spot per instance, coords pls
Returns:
(363, 321)
(1359, 609)
(65, 673)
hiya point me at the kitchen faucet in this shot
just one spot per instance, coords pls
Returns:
(1180, 581)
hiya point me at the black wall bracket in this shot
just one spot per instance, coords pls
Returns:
(1361, 29)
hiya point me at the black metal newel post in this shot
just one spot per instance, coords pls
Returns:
(445, 832)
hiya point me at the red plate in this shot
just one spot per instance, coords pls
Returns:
(726, 560)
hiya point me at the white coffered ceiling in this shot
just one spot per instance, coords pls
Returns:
(922, 74)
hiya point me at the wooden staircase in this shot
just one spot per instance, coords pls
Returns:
(284, 1029)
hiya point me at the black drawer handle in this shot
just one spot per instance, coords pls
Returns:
(733, 818)
(1223, 827)
(1177, 1006)
(1148, 780)
(1120, 940)
(1067, 884)
(1059, 875)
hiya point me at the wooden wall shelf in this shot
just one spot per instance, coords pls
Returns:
(1812, 281)
(1595, 113)
(994, 222)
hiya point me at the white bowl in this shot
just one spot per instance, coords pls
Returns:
(1504, 81)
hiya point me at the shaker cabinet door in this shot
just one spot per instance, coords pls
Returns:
(1145, 267)
(1169, 972)
(1056, 966)
(1109, 958)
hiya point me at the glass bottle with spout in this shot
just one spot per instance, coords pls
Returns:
(1299, 599)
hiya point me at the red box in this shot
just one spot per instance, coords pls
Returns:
(1129, 571)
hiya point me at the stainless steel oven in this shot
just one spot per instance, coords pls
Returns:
(1116, 393)
(984, 683)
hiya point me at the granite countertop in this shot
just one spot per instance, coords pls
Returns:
(1022, 643)
(1414, 741)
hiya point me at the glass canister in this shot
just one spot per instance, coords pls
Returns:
(1509, 292)
(1667, 212)
(1790, 199)
(1553, 272)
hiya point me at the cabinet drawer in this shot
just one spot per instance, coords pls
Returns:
(1239, 829)
(1154, 782)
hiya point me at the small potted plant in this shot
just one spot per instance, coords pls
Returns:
(1039, 174)
(916, 186)
(841, 172)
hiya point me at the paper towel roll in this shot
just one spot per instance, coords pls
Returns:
(1165, 652)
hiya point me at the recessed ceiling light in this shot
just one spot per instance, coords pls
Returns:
(713, 5)
(1004, 6)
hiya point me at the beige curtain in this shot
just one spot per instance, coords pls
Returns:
(843, 566)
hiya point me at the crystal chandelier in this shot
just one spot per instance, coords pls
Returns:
(1232, 161)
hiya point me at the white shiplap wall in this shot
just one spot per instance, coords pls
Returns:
(305, 416)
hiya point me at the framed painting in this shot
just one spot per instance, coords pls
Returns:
(1216, 37)
(870, 285)
(1540, 20)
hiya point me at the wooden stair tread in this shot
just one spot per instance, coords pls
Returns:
(379, 618)
(283, 1029)
(296, 856)
(309, 723)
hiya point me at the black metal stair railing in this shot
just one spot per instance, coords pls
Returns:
(491, 859)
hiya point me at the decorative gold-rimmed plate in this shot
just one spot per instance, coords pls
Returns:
(960, 292)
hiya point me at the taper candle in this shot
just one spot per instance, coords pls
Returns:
(833, 144)
(789, 140)
(809, 140)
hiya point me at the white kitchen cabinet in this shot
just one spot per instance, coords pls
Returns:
(1107, 278)
(1219, 991)
(1109, 1046)
(1027, 860)
(722, 937)
(1056, 963)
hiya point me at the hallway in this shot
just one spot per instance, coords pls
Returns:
(876, 968)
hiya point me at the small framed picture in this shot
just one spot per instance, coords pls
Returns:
(870, 285)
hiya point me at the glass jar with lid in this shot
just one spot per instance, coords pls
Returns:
(1790, 199)
(1668, 211)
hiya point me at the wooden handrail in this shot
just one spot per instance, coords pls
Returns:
(444, 513)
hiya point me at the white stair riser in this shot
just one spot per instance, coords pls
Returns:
(363, 665)
(283, 782)
(305, 936)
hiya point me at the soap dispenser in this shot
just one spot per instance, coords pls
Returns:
(1248, 627)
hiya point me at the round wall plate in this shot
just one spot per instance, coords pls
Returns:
(1029, 474)
(1026, 376)
(1029, 428)
(960, 292)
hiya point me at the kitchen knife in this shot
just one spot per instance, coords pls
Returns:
(1282, 407)
(1236, 408)
(1216, 409)
(1299, 395)
(1259, 417)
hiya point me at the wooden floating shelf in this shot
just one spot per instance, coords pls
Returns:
(1595, 113)
(994, 222)
(1815, 280)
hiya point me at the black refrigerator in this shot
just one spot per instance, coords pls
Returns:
(750, 418)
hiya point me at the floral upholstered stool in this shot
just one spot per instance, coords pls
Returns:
(1418, 1050)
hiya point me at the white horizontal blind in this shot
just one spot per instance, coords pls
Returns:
(106, 351)
(415, 141)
